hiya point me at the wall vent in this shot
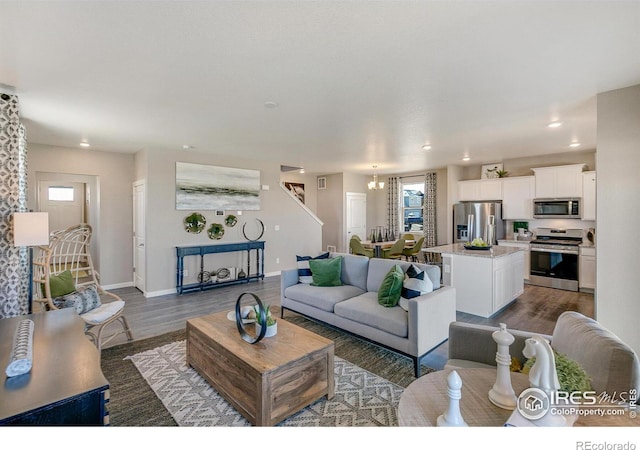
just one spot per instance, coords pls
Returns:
(322, 182)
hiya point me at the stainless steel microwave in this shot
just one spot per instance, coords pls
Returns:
(557, 208)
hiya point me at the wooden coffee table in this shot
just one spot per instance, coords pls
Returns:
(268, 381)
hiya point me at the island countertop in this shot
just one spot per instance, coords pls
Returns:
(495, 251)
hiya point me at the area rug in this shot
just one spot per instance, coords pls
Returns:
(361, 397)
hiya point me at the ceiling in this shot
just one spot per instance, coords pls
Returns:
(331, 86)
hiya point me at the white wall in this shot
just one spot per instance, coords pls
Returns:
(298, 234)
(114, 172)
(618, 214)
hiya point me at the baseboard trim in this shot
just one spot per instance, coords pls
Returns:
(159, 293)
(117, 285)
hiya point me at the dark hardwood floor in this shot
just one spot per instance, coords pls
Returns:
(535, 310)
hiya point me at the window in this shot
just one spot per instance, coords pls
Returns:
(413, 199)
(60, 193)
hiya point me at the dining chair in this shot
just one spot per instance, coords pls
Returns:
(358, 249)
(408, 236)
(413, 252)
(395, 251)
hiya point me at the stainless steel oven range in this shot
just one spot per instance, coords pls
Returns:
(554, 258)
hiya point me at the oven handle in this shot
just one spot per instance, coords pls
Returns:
(551, 250)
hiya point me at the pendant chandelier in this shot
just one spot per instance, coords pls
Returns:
(375, 184)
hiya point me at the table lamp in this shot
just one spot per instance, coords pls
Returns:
(30, 229)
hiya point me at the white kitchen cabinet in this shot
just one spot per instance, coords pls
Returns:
(559, 181)
(589, 195)
(517, 198)
(484, 284)
(480, 190)
(587, 269)
(526, 263)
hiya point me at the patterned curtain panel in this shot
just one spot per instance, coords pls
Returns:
(393, 205)
(14, 276)
(429, 210)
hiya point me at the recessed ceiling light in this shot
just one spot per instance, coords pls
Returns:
(426, 147)
(555, 124)
(85, 144)
(574, 144)
(270, 105)
(187, 147)
(302, 170)
(466, 158)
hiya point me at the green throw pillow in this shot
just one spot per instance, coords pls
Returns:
(326, 272)
(391, 287)
(61, 284)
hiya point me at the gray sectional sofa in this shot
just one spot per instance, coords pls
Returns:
(354, 308)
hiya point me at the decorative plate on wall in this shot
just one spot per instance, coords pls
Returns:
(194, 223)
(216, 231)
(231, 220)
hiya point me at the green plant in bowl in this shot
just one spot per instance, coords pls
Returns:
(267, 309)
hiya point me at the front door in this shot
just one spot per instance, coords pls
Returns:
(64, 201)
(356, 217)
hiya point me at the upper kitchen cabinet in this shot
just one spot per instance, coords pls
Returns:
(559, 181)
(474, 190)
(517, 197)
(589, 195)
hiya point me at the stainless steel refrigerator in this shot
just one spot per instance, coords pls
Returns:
(478, 220)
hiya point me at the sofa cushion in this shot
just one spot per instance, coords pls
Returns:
(416, 283)
(366, 310)
(354, 269)
(304, 273)
(321, 297)
(326, 272)
(379, 267)
(391, 287)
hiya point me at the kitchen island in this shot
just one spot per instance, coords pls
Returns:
(485, 280)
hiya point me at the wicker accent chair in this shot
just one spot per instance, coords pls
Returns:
(68, 250)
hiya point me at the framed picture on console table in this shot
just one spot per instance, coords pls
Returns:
(204, 187)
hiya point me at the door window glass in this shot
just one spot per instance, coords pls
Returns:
(60, 194)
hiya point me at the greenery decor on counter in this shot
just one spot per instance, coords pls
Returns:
(571, 375)
(517, 225)
(501, 173)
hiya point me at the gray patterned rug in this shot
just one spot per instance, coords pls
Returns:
(361, 398)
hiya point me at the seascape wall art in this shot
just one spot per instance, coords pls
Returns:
(206, 187)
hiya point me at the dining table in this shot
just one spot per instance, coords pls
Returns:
(378, 246)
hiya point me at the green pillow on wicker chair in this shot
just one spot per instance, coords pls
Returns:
(61, 284)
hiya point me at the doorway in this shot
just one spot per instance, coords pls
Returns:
(84, 208)
(139, 250)
(356, 217)
(64, 201)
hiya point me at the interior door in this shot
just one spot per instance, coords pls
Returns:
(64, 201)
(139, 251)
(356, 217)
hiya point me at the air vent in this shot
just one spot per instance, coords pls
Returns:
(322, 182)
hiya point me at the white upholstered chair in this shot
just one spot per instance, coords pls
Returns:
(65, 266)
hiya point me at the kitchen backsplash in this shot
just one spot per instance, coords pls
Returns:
(552, 223)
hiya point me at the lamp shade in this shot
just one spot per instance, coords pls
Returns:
(30, 228)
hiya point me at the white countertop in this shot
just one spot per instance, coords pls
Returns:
(458, 249)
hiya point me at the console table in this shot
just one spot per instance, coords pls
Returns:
(202, 250)
(65, 385)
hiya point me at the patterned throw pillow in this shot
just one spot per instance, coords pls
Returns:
(304, 272)
(416, 283)
(84, 299)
